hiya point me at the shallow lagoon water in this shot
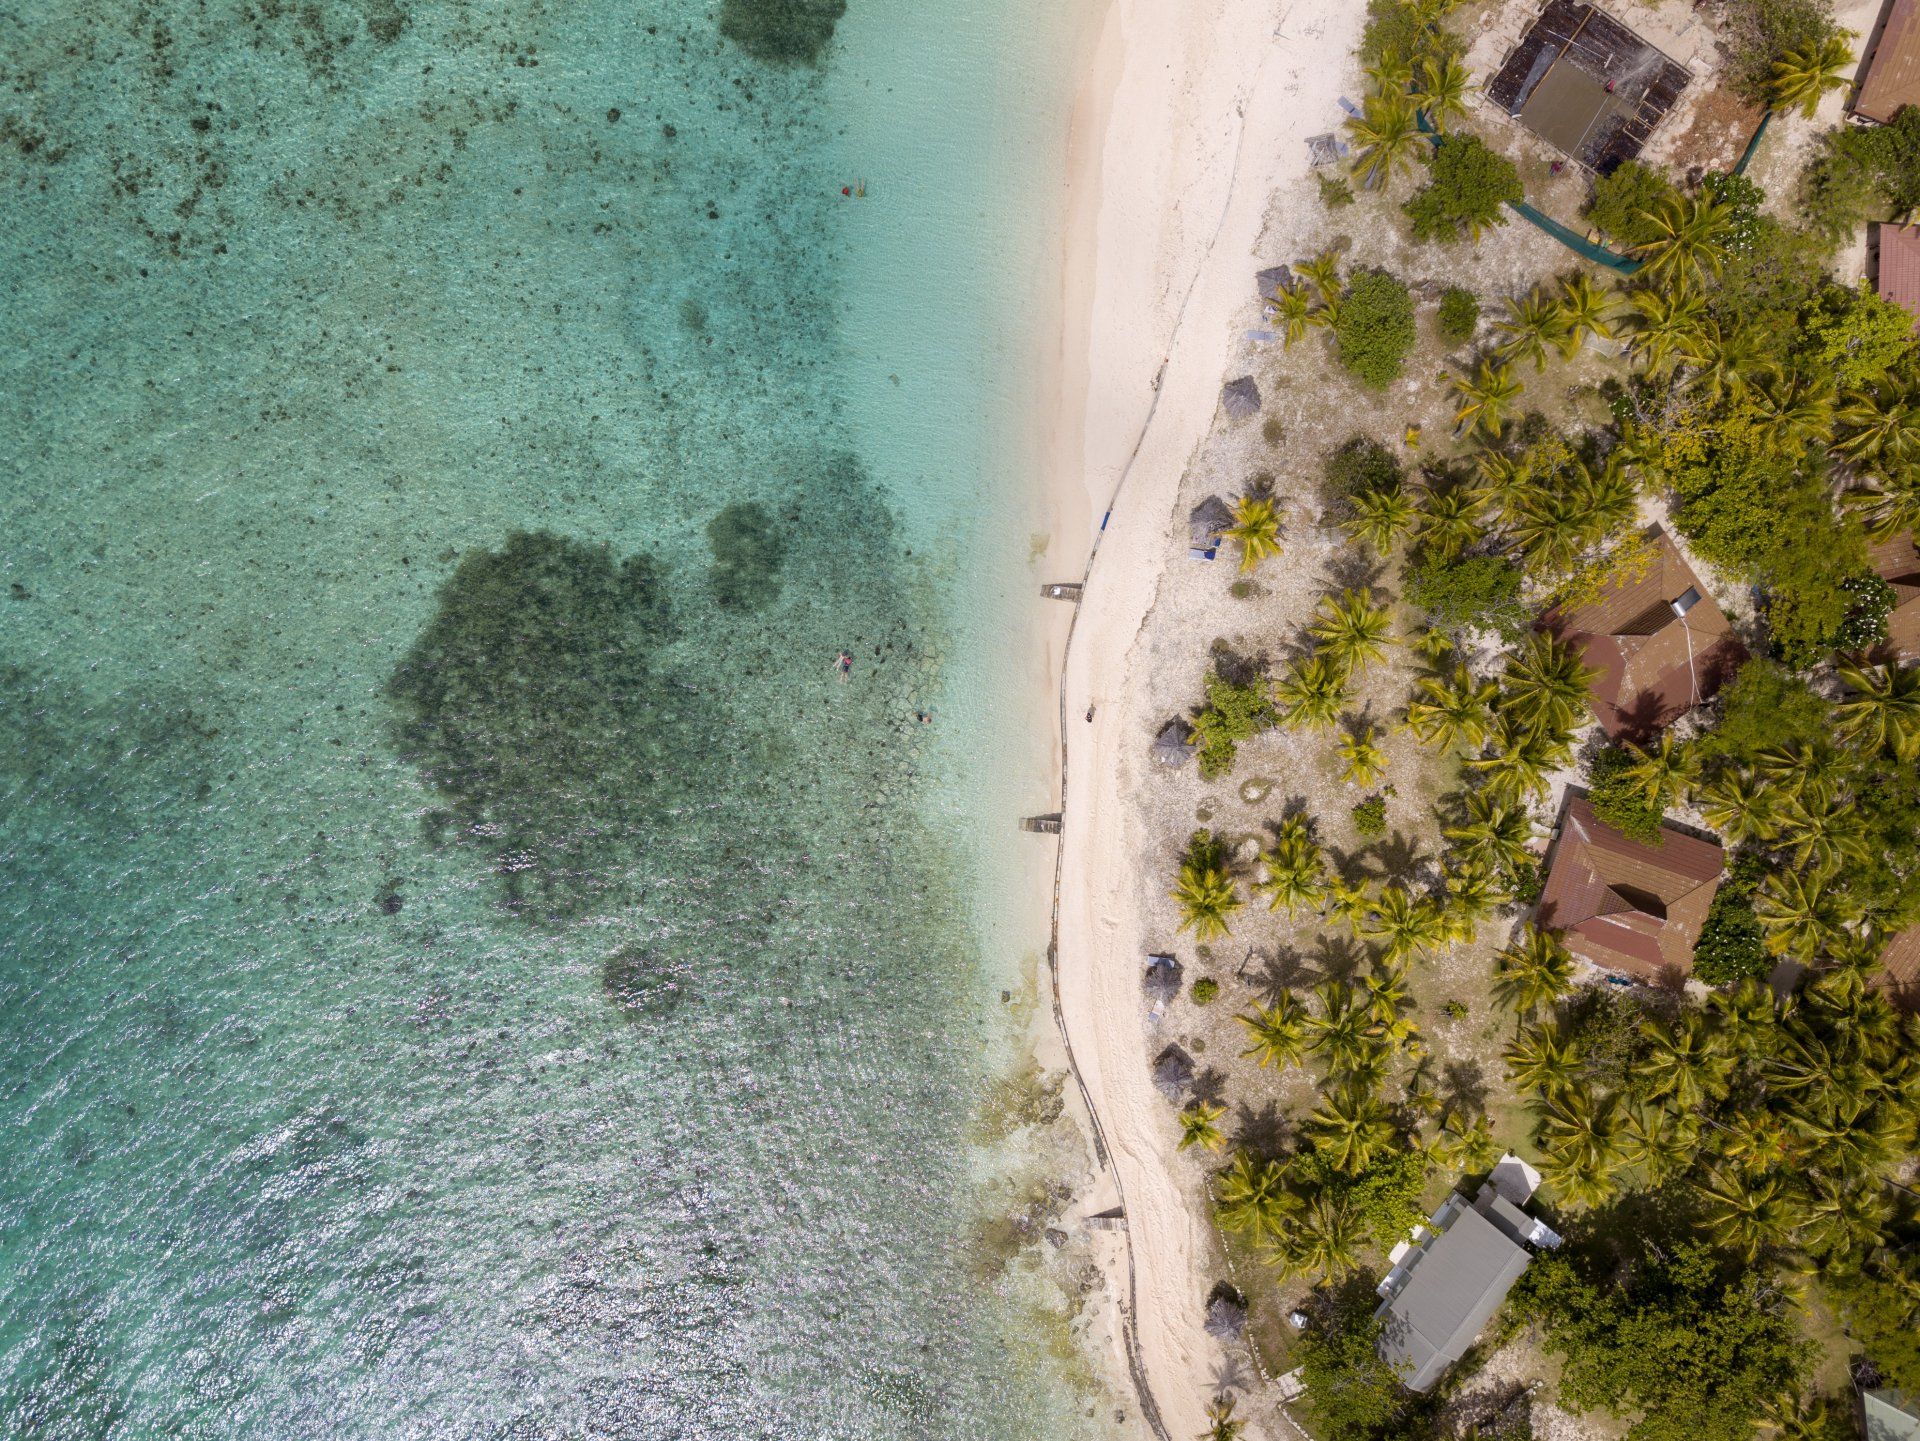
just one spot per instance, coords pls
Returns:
(469, 967)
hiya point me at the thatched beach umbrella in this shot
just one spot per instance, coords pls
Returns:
(1172, 1073)
(1226, 1313)
(1174, 746)
(1206, 523)
(1240, 398)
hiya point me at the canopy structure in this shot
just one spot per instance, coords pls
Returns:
(1240, 398)
(1172, 1073)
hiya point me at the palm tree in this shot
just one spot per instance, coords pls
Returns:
(1497, 832)
(1199, 1126)
(1204, 890)
(1255, 529)
(1582, 1129)
(1889, 503)
(1449, 521)
(1313, 691)
(1883, 709)
(1544, 1059)
(1345, 1031)
(1728, 358)
(1391, 73)
(1584, 309)
(1485, 398)
(1745, 1214)
(1880, 425)
(1689, 238)
(1801, 77)
(1323, 274)
(1296, 870)
(1473, 894)
(1797, 411)
(1749, 1026)
(1294, 309)
(1352, 629)
(1578, 1181)
(1220, 1423)
(1279, 1033)
(1533, 326)
(1668, 328)
(1840, 1219)
(1754, 1140)
(1366, 762)
(1379, 517)
(1685, 1063)
(1739, 805)
(1534, 970)
(1388, 138)
(1351, 1127)
(1251, 1195)
(1801, 913)
(1443, 90)
(1519, 765)
(1325, 1239)
(1820, 831)
(1466, 1146)
(1661, 1144)
(1349, 904)
(1450, 711)
(1546, 685)
(1408, 925)
(1665, 775)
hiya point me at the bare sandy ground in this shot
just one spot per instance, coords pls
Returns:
(1192, 118)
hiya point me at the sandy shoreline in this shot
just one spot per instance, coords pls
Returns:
(1190, 119)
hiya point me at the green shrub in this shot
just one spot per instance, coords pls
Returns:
(1879, 1309)
(1232, 713)
(1370, 816)
(1731, 946)
(1459, 315)
(1360, 466)
(1206, 991)
(1762, 708)
(1621, 201)
(1864, 170)
(1866, 624)
(1334, 189)
(1761, 31)
(1375, 328)
(1852, 336)
(1470, 190)
(1351, 1393)
(1479, 591)
(1454, 1010)
(1616, 800)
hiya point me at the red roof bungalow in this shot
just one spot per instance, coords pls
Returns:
(1624, 905)
(1897, 562)
(1899, 973)
(1660, 644)
(1892, 76)
(1897, 268)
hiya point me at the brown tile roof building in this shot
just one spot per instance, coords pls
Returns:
(1897, 562)
(1660, 644)
(1892, 77)
(1899, 973)
(1899, 267)
(1624, 905)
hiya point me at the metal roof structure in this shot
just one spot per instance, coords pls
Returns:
(1896, 560)
(1890, 1415)
(1892, 77)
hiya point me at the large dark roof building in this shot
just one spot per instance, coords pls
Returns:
(1660, 644)
(1624, 905)
(1587, 85)
(1892, 77)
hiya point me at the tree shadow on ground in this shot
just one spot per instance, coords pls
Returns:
(1265, 1131)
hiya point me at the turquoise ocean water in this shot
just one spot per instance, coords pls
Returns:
(469, 967)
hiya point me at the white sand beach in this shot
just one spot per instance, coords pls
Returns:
(1191, 119)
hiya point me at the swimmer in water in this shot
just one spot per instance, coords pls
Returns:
(844, 663)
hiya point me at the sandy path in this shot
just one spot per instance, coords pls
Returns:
(1193, 116)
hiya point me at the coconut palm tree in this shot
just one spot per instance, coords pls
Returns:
(1313, 691)
(1296, 870)
(1544, 1059)
(1407, 925)
(1204, 890)
(1325, 1239)
(1352, 630)
(1279, 1033)
(1485, 398)
(1746, 1214)
(1797, 411)
(1444, 81)
(1251, 1196)
(1882, 709)
(1497, 832)
(1323, 274)
(1346, 1031)
(1749, 1024)
(1753, 1139)
(1820, 831)
(1801, 912)
(1449, 521)
(1881, 424)
(1739, 805)
(1349, 904)
(1660, 1143)
(1546, 685)
(1391, 73)
(1584, 311)
(1220, 1423)
(1450, 711)
(1379, 517)
(1464, 1145)
(1689, 239)
(1667, 328)
(1839, 1218)
(1255, 529)
(1518, 764)
(1889, 504)
(1473, 893)
(1293, 307)
(1365, 761)
(1534, 325)
(1730, 358)
(1387, 137)
(1582, 1128)
(1579, 1182)
(1801, 77)
(1665, 775)
(1351, 1128)
(1791, 766)
(1534, 970)
(1685, 1063)
(1199, 1126)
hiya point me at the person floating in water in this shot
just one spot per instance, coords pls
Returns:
(844, 663)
